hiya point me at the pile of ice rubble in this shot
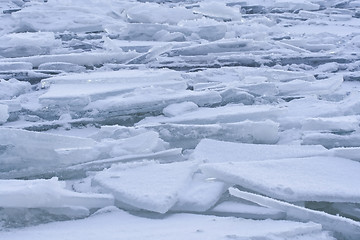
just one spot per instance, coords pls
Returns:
(180, 119)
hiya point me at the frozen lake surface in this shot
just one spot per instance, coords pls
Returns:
(180, 119)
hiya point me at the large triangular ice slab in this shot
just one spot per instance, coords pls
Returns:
(147, 185)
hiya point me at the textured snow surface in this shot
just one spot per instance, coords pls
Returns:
(194, 119)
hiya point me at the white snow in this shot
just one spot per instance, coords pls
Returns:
(110, 225)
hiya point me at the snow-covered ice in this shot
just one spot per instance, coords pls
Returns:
(213, 151)
(151, 110)
(135, 184)
(322, 178)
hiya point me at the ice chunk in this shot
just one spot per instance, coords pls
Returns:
(33, 140)
(352, 153)
(330, 140)
(214, 151)
(248, 75)
(62, 66)
(235, 95)
(225, 114)
(179, 108)
(343, 227)
(157, 99)
(4, 113)
(332, 124)
(189, 135)
(155, 13)
(83, 58)
(327, 179)
(301, 88)
(246, 210)
(220, 46)
(200, 195)
(134, 78)
(136, 184)
(147, 142)
(296, 4)
(218, 11)
(41, 193)
(28, 44)
(21, 150)
(153, 53)
(13, 88)
(166, 156)
(24, 217)
(178, 226)
(12, 66)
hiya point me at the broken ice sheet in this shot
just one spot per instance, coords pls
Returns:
(40, 151)
(295, 179)
(341, 124)
(189, 135)
(25, 217)
(28, 44)
(83, 59)
(226, 114)
(231, 206)
(215, 151)
(158, 98)
(343, 228)
(13, 88)
(332, 140)
(200, 195)
(42, 193)
(147, 185)
(4, 113)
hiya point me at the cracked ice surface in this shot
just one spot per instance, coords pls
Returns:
(194, 119)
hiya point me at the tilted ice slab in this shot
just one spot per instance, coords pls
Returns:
(29, 139)
(83, 59)
(35, 150)
(156, 99)
(177, 226)
(301, 87)
(189, 135)
(332, 124)
(330, 140)
(13, 88)
(4, 113)
(247, 75)
(352, 153)
(246, 210)
(28, 44)
(326, 179)
(63, 151)
(214, 151)
(225, 114)
(13, 66)
(344, 228)
(134, 78)
(147, 185)
(41, 193)
(221, 46)
(200, 195)
(166, 156)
